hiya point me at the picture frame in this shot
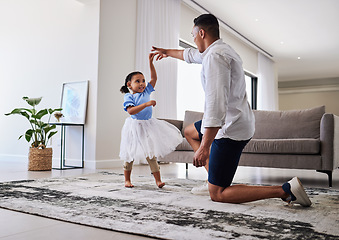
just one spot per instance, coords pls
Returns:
(74, 102)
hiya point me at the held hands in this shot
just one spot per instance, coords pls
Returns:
(159, 52)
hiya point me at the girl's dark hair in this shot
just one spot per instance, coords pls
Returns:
(124, 89)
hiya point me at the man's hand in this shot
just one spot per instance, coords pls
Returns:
(159, 52)
(164, 53)
(201, 156)
(203, 152)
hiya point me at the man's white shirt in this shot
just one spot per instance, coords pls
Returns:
(223, 81)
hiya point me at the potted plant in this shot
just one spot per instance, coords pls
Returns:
(38, 135)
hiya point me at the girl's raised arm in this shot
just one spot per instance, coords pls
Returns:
(154, 77)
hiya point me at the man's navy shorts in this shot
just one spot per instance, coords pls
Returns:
(224, 159)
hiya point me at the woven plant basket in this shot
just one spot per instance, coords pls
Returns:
(40, 159)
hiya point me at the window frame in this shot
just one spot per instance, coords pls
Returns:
(254, 89)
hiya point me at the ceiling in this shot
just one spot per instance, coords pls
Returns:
(287, 30)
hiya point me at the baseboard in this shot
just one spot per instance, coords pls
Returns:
(109, 163)
(91, 164)
(14, 158)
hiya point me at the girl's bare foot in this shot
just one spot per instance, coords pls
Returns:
(128, 179)
(158, 181)
(160, 184)
(128, 184)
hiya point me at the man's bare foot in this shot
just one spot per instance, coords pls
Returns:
(160, 184)
(128, 184)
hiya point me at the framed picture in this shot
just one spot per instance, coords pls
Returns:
(74, 102)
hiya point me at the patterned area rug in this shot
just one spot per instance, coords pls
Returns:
(101, 200)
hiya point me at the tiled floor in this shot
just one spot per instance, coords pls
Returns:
(17, 226)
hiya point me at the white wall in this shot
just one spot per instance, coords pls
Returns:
(304, 100)
(116, 60)
(44, 43)
(304, 97)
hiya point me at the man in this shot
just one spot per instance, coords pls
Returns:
(228, 122)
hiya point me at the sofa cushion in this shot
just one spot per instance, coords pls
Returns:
(191, 117)
(288, 124)
(184, 146)
(284, 146)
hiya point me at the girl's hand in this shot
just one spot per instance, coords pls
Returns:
(154, 76)
(151, 57)
(151, 103)
(160, 52)
(132, 110)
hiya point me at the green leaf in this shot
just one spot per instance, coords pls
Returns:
(27, 110)
(41, 113)
(18, 111)
(49, 128)
(33, 101)
(51, 134)
(15, 111)
(25, 115)
(28, 135)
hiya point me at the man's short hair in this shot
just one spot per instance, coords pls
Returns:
(209, 23)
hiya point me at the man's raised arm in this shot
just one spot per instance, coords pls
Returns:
(163, 53)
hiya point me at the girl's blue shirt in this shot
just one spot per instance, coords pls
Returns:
(137, 99)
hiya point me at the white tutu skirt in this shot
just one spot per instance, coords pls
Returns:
(147, 138)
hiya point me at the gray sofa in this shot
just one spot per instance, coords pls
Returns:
(298, 139)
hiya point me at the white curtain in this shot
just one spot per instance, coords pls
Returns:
(267, 84)
(158, 24)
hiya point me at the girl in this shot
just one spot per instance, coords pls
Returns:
(142, 136)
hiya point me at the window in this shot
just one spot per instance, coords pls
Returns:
(191, 96)
(251, 89)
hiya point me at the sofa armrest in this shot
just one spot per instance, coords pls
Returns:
(177, 123)
(329, 139)
(336, 142)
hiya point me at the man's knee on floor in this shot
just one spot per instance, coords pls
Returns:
(217, 195)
